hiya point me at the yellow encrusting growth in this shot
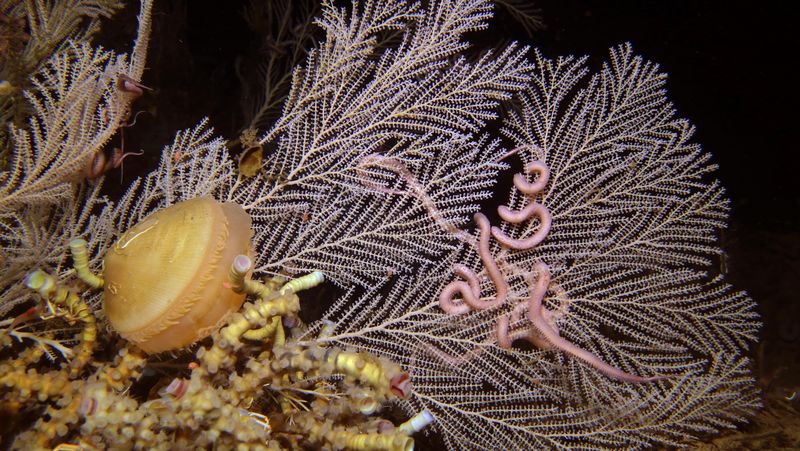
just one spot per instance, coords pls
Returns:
(274, 328)
(261, 319)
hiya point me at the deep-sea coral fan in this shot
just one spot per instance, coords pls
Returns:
(600, 260)
(78, 105)
(620, 276)
(91, 407)
(30, 33)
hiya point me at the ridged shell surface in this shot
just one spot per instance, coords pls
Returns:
(165, 279)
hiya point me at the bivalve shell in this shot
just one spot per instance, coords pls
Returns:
(165, 279)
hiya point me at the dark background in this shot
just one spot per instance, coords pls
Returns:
(729, 74)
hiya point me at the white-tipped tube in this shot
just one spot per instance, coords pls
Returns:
(238, 273)
(416, 423)
(242, 264)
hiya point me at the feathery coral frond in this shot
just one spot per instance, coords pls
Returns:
(635, 214)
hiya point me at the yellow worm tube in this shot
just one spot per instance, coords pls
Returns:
(258, 320)
(338, 437)
(80, 261)
(242, 264)
(374, 441)
(303, 283)
(241, 283)
(48, 287)
(280, 334)
(361, 367)
(270, 305)
(264, 332)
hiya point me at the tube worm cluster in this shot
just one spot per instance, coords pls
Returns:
(250, 386)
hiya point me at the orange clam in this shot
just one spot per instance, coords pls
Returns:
(165, 279)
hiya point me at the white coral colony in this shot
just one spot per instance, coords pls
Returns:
(164, 280)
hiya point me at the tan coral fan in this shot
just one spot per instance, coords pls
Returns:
(165, 276)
